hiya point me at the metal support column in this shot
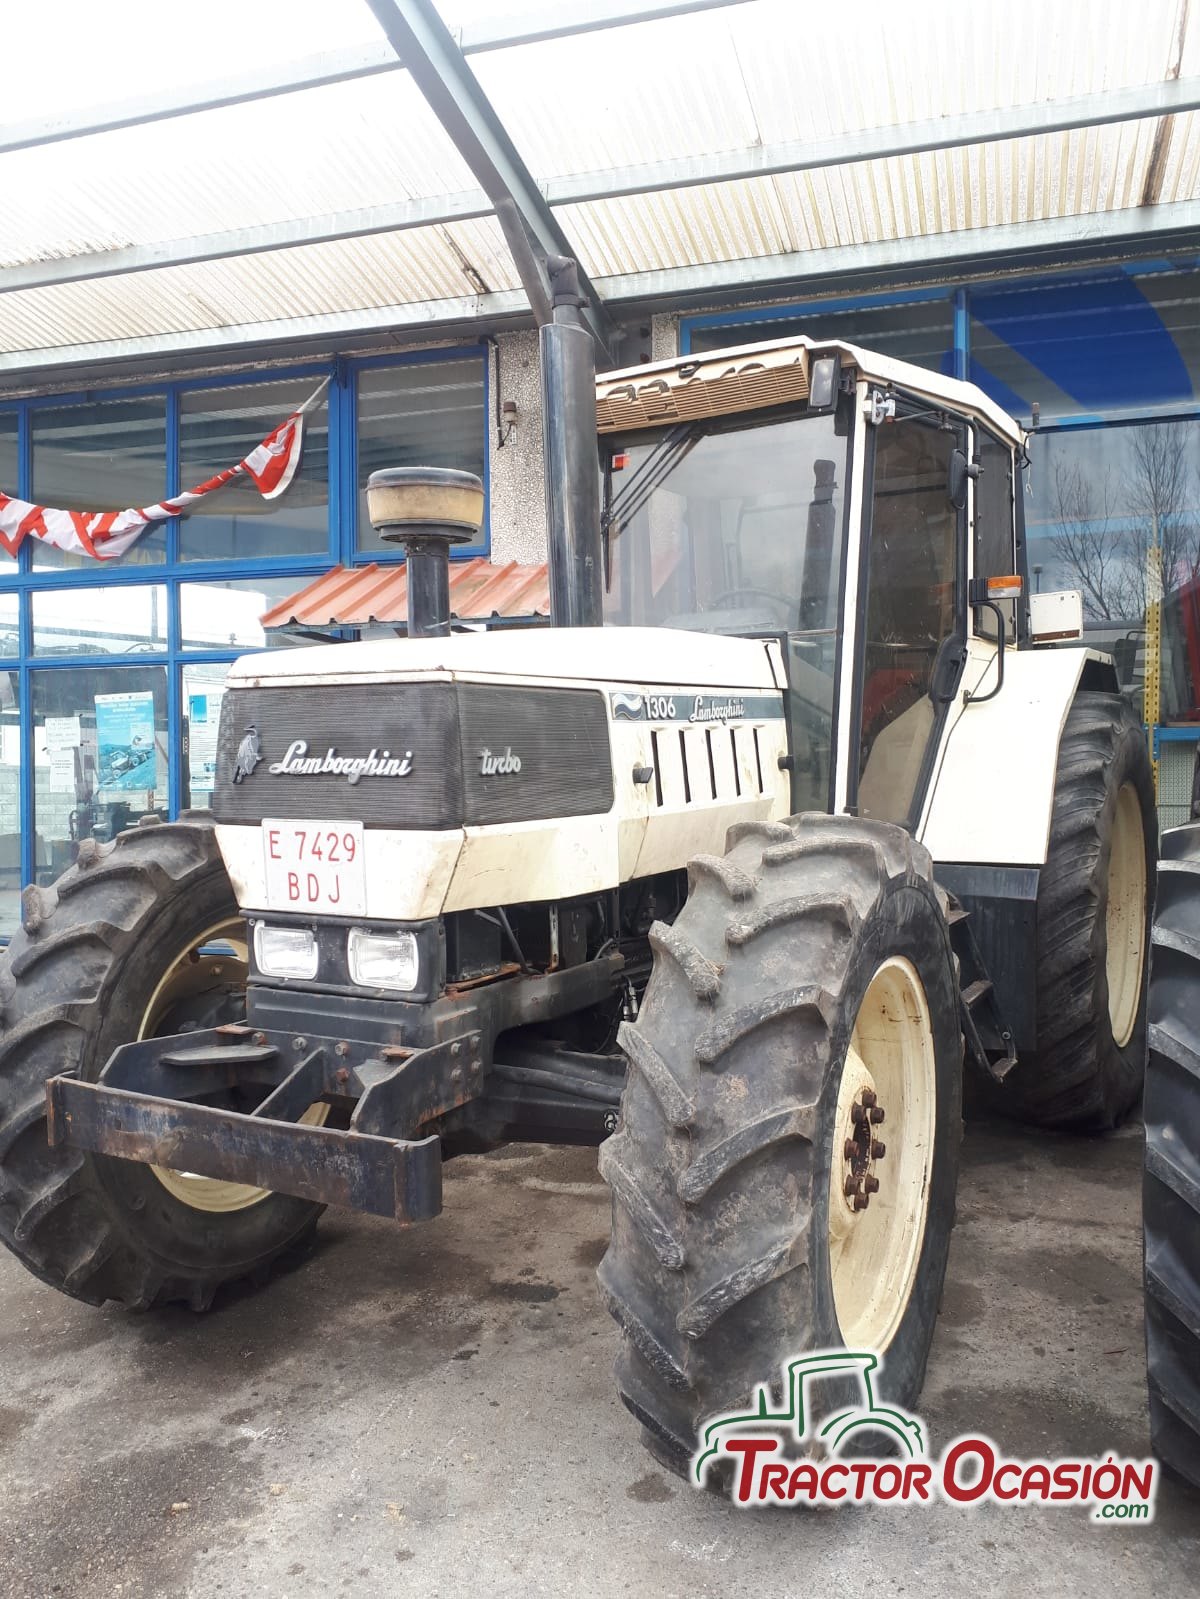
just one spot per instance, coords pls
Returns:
(423, 42)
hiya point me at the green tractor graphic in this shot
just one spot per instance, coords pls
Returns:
(794, 1418)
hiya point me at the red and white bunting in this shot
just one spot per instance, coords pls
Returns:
(106, 535)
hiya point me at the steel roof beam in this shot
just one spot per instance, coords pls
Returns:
(422, 41)
(444, 317)
(882, 143)
(260, 240)
(340, 66)
(1060, 241)
(942, 133)
(1001, 248)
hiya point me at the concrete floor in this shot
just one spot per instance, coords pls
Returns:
(432, 1412)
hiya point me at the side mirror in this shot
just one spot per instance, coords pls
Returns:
(959, 470)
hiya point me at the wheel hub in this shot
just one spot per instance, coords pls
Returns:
(862, 1150)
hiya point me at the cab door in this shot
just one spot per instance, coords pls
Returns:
(911, 613)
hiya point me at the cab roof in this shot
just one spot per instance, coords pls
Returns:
(746, 376)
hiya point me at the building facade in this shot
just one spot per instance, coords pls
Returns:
(112, 673)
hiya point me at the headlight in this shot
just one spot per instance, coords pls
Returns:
(285, 951)
(383, 960)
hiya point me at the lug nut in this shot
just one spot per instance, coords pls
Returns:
(858, 1112)
(869, 1097)
(850, 1149)
(872, 1185)
(851, 1186)
(877, 1114)
(861, 1201)
(878, 1150)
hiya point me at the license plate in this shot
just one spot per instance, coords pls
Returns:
(315, 866)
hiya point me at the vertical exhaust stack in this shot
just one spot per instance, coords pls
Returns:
(426, 509)
(568, 368)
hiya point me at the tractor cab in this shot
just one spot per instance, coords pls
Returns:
(850, 507)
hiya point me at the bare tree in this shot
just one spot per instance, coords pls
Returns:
(1161, 498)
(1108, 523)
(1089, 542)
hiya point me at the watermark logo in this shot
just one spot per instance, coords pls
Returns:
(794, 1454)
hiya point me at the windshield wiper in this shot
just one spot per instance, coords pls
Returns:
(662, 460)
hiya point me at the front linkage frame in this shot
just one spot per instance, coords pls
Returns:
(395, 1102)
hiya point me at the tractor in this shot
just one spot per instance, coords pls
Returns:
(794, 811)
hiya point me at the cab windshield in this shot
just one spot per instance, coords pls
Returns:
(728, 527)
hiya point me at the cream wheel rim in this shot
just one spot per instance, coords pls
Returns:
(189, 971)
(882, 1160)
(1125, 916)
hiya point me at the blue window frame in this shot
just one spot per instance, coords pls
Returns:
(20, 582)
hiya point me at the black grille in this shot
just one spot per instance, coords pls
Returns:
(560, 737)
(448, 734)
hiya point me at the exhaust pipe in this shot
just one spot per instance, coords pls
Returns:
(568, 367)
(426, 509)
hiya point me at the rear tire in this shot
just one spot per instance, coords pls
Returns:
(731, 1231)
(78, 980)
(1171, 1187)
(1093, 942)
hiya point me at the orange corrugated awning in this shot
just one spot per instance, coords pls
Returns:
(357, 596)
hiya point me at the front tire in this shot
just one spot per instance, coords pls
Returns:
(810, 964)
(84, 975)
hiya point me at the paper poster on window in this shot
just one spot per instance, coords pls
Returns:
(62, 733)
(62, 771)
(125, 744)
(204, 717)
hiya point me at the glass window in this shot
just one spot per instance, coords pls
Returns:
(1097, 499)
(130, 620)
(203, 690)
(10, 634)
(99, 756)
(995, 552)
(218, 428)
(920, 331)
(418, 416)
(227, 615)
(1114, 512)
(724, 530)
(910, 609)
(105, 455)
(10, 806)
(9, 465)
(1088, 344)
(995, 534)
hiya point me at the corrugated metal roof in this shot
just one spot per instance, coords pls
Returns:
(359, 596)
(744, 77)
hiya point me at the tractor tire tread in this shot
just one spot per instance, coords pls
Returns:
(1171, 1180)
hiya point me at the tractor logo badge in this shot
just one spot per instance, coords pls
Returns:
(379, 763)
(498, 765)
(249, 754)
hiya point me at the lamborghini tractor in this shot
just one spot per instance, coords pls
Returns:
(726, 886)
